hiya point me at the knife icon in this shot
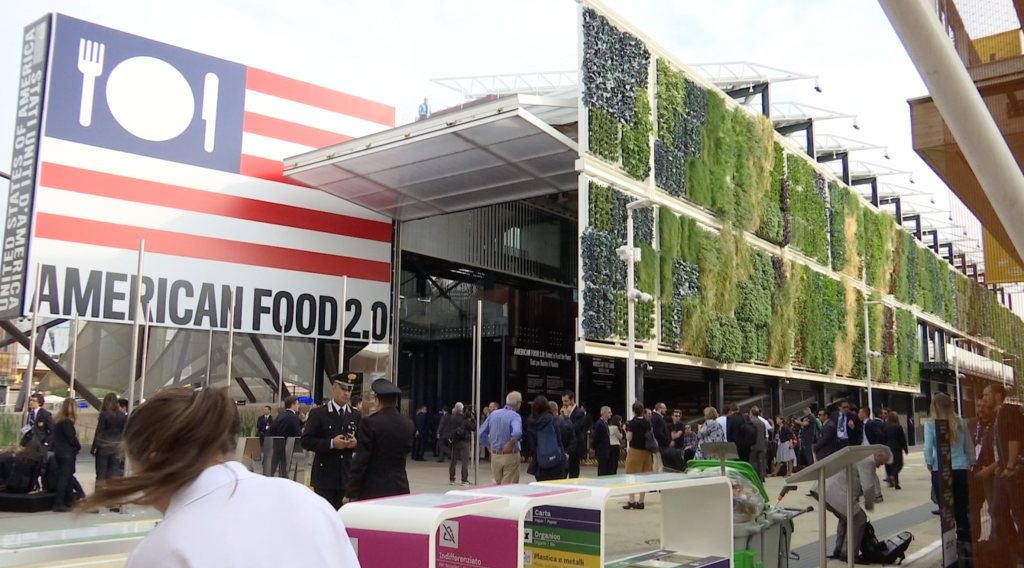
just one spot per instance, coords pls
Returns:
(209, 113)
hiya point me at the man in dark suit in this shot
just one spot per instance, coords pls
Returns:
(287, 425)
(736, 429)
(849, 431)
(662, 434)
(607, 463)
(39, 423)
(419, 445)
(263, 424)
(828, 442)
(443, 430)
(331, 432)
(758, 452)
(580, 425)
(874, 429)
(385, 438)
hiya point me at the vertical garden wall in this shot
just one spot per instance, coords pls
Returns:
(716, 296)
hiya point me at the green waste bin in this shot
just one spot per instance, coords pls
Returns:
(746, 559)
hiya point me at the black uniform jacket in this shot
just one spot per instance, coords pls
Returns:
(378, 470)
(42, 428)
(286, 425)
(330, 466)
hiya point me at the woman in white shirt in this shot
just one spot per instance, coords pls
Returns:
(615, 437)
(216, 512)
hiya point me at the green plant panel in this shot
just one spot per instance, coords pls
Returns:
(647, 269)
(906, 348)
(821, 319)
(690, 237)
(801, 173)
(859, 353)
(644, 321)
(636, 139)
(604, 135)
(839, 198)
(925, 283)
(601, 202)
(810, 224)
(599, 312)
(671, 100)
(643, 219)
(668, 231)
(615, 65)
(781, 327)
(755, 293)
(725, 339)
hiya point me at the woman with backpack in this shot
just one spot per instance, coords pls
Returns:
(639, 459)
(550, 460)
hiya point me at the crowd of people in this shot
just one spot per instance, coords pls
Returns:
(357, 456)
(45, 458)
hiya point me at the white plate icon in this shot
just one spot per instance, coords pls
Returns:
(150, 99)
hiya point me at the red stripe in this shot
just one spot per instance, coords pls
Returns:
(262, 168)
(320, 97)
(98, 233)
(290, 131)
(184, 198)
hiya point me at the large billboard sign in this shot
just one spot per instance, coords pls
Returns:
(143, 140)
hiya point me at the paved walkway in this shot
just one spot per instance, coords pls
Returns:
(630, 531)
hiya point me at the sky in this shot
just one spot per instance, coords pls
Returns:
(388, 50)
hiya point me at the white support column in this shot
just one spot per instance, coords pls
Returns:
(963, 109)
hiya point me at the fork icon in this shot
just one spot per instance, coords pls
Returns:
(90, 64)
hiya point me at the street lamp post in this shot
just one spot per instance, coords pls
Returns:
(869, 354)
(631, 255)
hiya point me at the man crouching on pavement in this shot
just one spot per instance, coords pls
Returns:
(835, 502)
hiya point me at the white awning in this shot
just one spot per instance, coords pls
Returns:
(491, 153)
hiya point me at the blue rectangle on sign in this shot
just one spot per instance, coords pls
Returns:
(127, 93)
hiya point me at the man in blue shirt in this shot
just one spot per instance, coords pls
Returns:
(424, 110)
(502, 433)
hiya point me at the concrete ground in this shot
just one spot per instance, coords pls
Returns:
(630, 531)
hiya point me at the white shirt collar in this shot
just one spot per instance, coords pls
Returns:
(336, 408)
(212, 479)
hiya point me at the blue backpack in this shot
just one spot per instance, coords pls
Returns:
(549, 453)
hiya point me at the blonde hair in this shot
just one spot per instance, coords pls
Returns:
(710, 413)
(942, 409)
(68, 411)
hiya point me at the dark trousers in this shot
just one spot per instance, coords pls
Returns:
(744, 453)
(65, 488)
(981, 491)
(961, 502)
(806, 454)
(1007, 510)
(333, 496)
(550, 474)
(574, 467)
(608, 466)
(460, 451)
(419, 446)
(108, 467)
(758, 459)
(892, 471)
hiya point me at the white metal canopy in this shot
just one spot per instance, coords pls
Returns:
(490, 153)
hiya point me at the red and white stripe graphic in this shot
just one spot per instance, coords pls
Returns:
(286, 117)
(97, 203)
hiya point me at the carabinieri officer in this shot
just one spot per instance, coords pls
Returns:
(330, 433)
(385, 438)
